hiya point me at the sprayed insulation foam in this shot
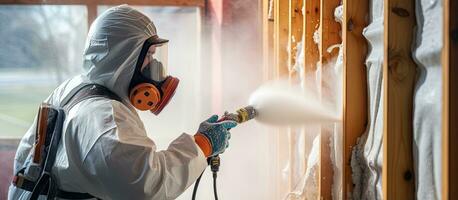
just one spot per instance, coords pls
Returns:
(367, 154)
(307, 187)
(337, 138)
(316, 36)
(331, 73)
(427, 99)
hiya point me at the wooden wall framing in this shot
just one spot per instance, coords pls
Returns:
(449, 101)
(399, 71)
(329, 32)
(319, 16)
(355, 109)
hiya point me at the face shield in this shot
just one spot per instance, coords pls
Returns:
(155, 64)
(151, 87)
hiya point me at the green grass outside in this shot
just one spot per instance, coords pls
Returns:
(18, 107)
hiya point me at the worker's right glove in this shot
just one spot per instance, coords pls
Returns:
(213, 136)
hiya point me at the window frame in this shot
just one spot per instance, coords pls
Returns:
(91, 6)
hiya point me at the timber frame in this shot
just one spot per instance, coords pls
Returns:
(450, 101)
(319, 15)
(281, 33)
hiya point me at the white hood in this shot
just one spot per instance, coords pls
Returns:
(113, 46)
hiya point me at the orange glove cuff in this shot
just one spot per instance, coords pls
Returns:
(204, 144)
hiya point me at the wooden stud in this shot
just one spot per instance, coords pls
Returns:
(271, 52)
(268, 44)
(295, 31)
(294, 36)
(398, 84)
(311, 23)
(329, 35)
(354, 83)
(329, 30)
(281, 20)
(281, 37)
(450, 99)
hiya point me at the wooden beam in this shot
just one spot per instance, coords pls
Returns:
(398, 84)
(267, 38)
(281, 37)
(329, 35)
(295, 30)
(354, 83)
(280, 44)
(326, 172)
(450, 99)
(329, 30)
(199, 3)
(311, 23)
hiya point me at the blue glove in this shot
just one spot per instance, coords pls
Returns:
(216, 134)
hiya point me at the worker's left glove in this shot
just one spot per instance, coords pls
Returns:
(213, 136)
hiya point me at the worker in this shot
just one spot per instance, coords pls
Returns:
(105, 151)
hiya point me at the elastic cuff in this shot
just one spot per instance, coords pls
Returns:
(204, 144)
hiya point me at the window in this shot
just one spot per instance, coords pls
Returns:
(41, 46)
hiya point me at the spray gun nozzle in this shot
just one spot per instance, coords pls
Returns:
(242, 115)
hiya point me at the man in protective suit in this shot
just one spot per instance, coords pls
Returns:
(104, 150)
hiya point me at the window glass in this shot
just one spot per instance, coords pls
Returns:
(41, 46)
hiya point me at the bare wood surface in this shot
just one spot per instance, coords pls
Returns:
(355, 87)
(329, 35)
(398, 84)
(311, 23)
(295, 30)
(450, 99)
(281, 37)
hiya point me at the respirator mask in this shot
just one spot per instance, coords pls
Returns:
(151, 88)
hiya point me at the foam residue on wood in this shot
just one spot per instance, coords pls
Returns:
(307, 188)
(337, 138)
(367, 158)
(427, 99)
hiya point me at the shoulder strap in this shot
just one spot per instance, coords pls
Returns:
(87, 91)
(46, 184)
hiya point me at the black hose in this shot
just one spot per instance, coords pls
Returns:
(196, 185)
(214, 186)
(214, 163)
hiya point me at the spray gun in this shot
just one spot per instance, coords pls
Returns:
(240, 116)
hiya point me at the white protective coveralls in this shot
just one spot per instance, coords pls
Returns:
(104, 149)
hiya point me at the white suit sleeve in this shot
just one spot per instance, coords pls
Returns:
(124, 164)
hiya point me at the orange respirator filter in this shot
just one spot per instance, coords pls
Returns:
(145, 96)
